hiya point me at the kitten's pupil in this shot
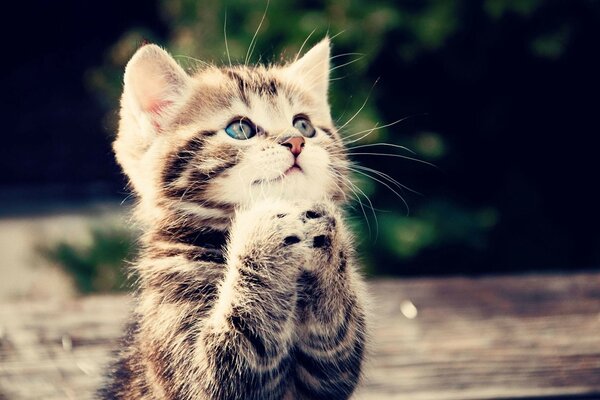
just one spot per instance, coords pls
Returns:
(241, 129)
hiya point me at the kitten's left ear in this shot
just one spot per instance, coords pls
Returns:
(313, 69)
(154, 84)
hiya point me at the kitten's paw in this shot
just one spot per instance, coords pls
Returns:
(269, 231)
(321, 225)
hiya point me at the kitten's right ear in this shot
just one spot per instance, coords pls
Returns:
(154, 84)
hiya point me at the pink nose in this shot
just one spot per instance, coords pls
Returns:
(295, 144)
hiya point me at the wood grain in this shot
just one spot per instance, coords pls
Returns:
(513, 337)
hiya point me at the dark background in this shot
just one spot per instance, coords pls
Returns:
(53, 125)
(519, 127)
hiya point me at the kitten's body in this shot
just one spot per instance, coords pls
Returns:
(247, 281)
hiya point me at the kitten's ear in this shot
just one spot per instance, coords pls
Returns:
(313, 69)
(154, 83)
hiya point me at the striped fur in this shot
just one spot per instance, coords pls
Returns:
(247, 282)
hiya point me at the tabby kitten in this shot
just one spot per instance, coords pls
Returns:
(248, 286)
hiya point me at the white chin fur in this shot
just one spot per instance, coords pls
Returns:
(293, 186)
(263, 178)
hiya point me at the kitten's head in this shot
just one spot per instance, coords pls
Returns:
(229, 136)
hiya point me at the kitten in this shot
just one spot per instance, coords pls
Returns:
(248, 286)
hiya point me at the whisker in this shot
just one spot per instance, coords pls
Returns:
(304, 44)
(347, 54)
(343, 181)
(376, 127)
(388, 178)
(381, 144)
(345, 110)
(394, 155)
(252, 42)
(353, 187)
(317, 79)
(361, 107)
(225, 35)
(336, 184)
(191, 58)
(346, 63)
(130, 195)
(336, 35)
(369, 131)
(371, 207)
(386, 185)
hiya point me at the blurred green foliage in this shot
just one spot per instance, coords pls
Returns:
(363, 31)
(197, 34)
(99, 265)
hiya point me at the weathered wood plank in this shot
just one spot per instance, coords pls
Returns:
(489, 338)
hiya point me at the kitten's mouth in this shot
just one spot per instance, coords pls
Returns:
(294, 168)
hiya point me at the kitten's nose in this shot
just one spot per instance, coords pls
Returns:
(295, 144)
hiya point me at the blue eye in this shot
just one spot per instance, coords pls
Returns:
(241, 129)
(304, 126)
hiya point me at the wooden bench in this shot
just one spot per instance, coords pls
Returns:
(513, 337)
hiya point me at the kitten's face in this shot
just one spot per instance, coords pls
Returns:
(229, 136)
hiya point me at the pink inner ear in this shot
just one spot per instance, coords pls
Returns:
(156, 107)
(152, 89)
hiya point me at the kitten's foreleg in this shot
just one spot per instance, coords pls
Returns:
(331, 341)
(247, 338)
